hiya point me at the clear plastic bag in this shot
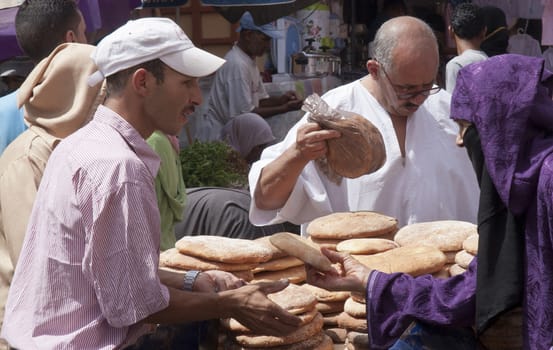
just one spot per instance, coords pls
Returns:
(359, 151)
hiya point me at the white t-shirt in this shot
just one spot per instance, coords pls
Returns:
(435, 180)
(454, 65)
(237, 89)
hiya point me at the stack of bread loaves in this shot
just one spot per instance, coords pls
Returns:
(446, 235)
(281, 265)
(464, 257)
(309, 335)
(330, 304)
(329, 230)
(234, 255)
(354, 320)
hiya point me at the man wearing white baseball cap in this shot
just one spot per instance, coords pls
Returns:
(88, 272)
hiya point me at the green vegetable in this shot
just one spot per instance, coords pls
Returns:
(213, 164)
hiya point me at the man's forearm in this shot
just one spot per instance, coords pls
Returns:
(277, 180)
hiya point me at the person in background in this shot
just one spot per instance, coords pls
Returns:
(13, 72)
(249, 135)
(496, 40)
(238, 89)
(220, 211)
(57, 101)
(87, 275)
(400, 98)
(40, 26)
(510, 282)
(468, 29)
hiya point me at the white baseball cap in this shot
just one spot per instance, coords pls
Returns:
(150, 38)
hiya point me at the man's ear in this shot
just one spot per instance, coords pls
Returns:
(70, 36)
(139, 81)
(372, 68)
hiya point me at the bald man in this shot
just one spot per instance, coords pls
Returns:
(425, 177)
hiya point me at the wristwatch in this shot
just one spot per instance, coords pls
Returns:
(189, 279)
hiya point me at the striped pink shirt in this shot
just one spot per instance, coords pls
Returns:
(87, 274)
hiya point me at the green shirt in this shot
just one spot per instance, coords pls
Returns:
(170, 188)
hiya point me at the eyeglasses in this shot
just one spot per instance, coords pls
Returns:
(402, 92)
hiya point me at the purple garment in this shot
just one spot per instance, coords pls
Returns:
(508, 100)
(396, 300)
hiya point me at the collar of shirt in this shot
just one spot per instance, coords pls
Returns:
(241, 52)
(135, 141)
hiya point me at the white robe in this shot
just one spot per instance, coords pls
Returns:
(435, 180)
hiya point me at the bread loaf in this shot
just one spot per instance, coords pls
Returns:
(358, 151)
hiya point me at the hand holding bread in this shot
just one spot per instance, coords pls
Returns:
(250, 306)
(347, 274)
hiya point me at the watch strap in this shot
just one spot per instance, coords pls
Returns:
(189, 279)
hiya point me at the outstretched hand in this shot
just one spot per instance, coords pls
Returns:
(251, 307)
(217, 281)
(348, 274)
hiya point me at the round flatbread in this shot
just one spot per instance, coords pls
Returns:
(359, 151)
(326, 295)
(236, 327)
(455, 270)
(346, 225)
(366, 245)
(355, 309)
(302, 333)
(294, 299)
(359, 297)
(471, 244)
(463, 258)
(174, 259)
(330, 307)
(324, 243)
(296, 246)
(331, 319)
(351, 323)
(275, 252)
(319, 341)
(224, 249)
(414, 260)
(278, 264)
(446, 235)
(295, 274)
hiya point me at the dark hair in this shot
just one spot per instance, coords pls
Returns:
(116, 83)
(497, 34)
(467, 21)
(41, 25)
